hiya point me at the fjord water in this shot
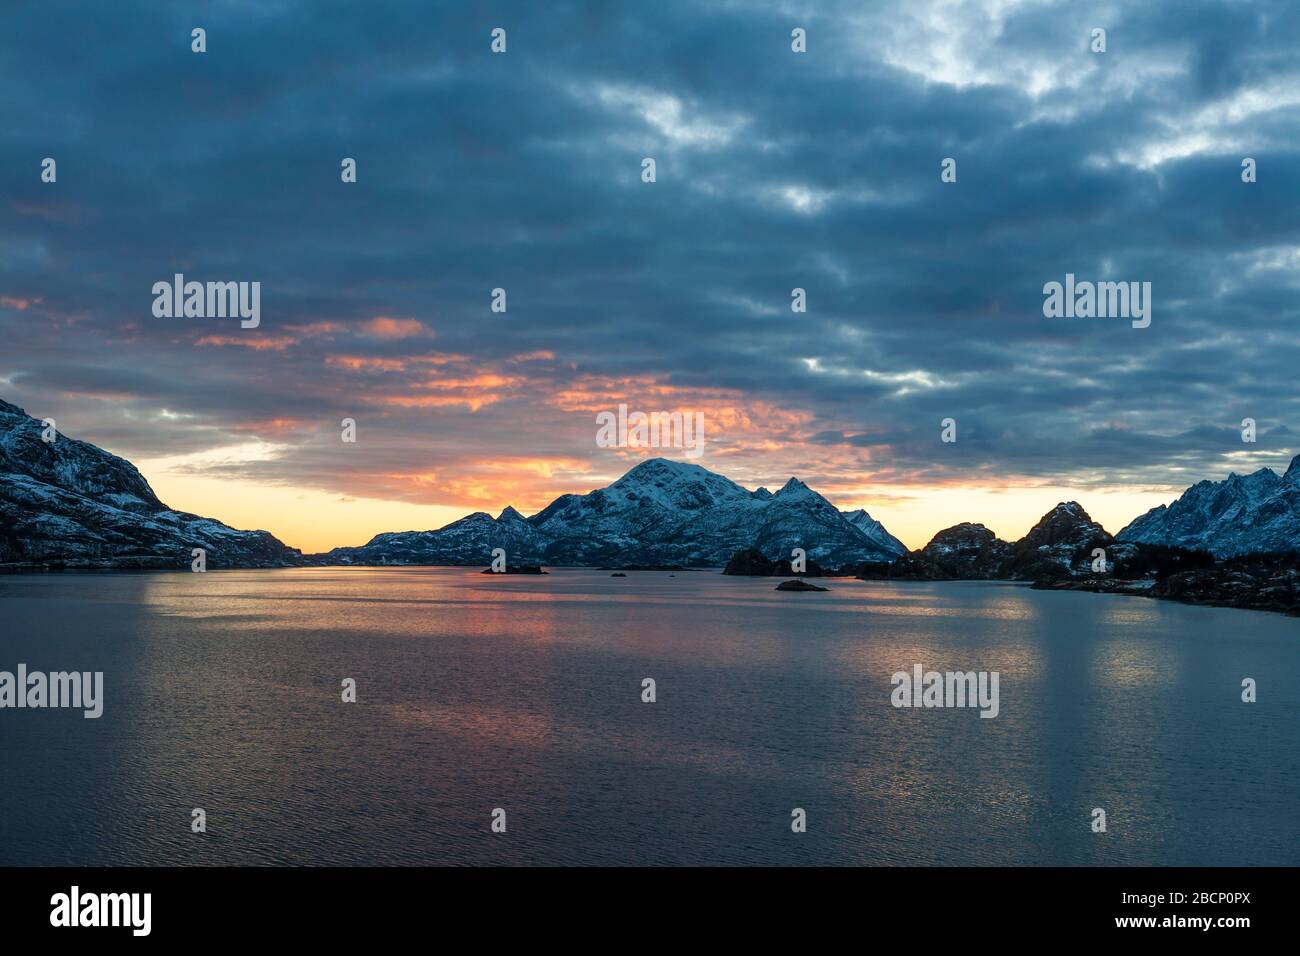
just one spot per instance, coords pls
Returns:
(475, 692)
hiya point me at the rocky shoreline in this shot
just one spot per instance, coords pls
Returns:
(1215, 587)
(1067, 551)
(1259, 582)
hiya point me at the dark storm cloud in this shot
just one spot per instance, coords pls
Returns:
(819, 171)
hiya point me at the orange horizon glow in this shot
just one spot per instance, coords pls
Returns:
(405, 481)
(314, 520)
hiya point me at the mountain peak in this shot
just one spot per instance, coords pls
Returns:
(663, 466)
(1065, 525)
(1258, 477)
(508, 513)
(966, 550)
(875, 531)
(793, 486)
(967, 533)
(1293, 470)
(1065, 513)
(8, 409)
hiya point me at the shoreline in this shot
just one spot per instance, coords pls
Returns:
(1112, 586)
(1249, 599)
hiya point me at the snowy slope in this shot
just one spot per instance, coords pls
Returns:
(68, 501)
(660, 512)
(1239, 515)
(874, 530)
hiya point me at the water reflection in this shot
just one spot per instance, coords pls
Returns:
(473, 692)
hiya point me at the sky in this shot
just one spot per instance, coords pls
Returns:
(774, 170)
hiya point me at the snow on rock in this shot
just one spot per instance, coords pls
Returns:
(661, 512)
(68, 502)
(1239, 515)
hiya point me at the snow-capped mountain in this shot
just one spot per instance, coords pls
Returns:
(660, 513)
(469, 540)
(874, 530)
(70, 502)
(1239, 515)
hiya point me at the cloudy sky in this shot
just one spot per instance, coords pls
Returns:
(775, 170)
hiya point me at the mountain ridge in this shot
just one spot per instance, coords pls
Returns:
(660, 512)
(1060, 545)
(70, 503)
(1242, 514)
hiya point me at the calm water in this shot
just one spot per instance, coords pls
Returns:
(223, 692)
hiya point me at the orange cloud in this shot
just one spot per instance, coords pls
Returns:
(735, 423)
(384, 327)
(279, 426)
(472, 388)
(364, 363)
(382, 363)
(13, 302)
(472, 402)
(479, 380)
(312, 330)
(491, 484)
(276, 343)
